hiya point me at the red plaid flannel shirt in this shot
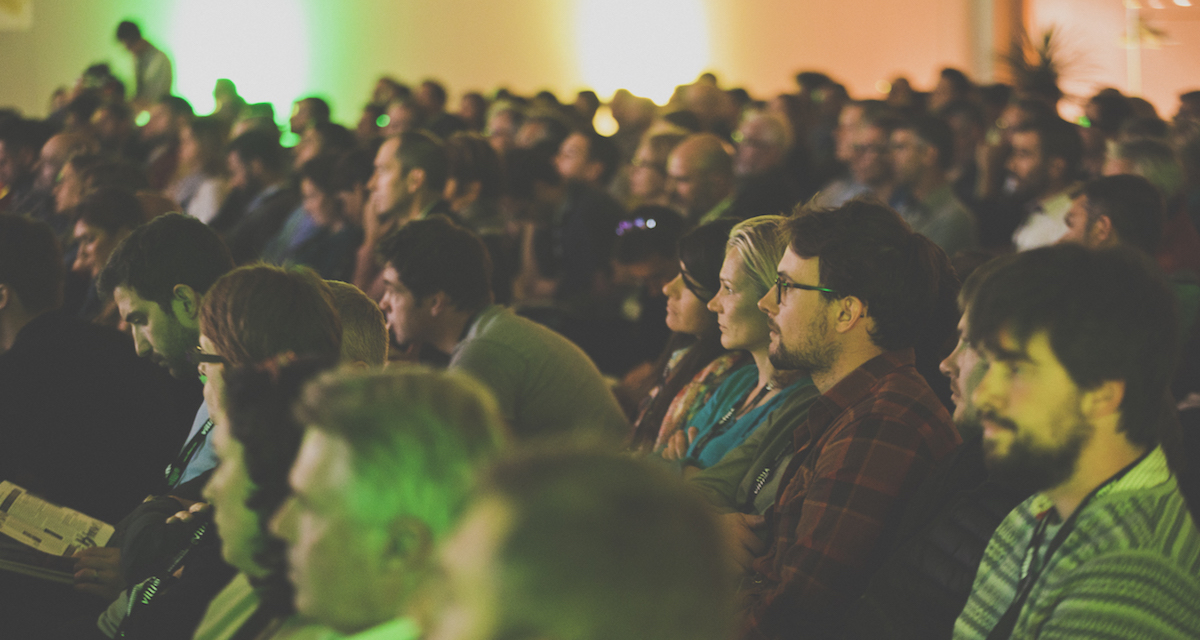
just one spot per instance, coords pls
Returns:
(865, 446)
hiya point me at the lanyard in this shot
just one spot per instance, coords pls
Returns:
(723, 424)
(175, 470)
(761, 480)
(143, 592)
(1031, 567)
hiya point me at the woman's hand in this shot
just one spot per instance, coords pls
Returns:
(677, 446)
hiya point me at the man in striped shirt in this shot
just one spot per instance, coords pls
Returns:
(1080, 346)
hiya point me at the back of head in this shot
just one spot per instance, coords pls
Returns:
(364, 329)
(259, 145)
(31, 263)
(318, 109)
(709, 154)
(602, 546)
(354, 169)
(701, 253)
(128, 31)
(435, 255)
(1109, 315)
(170, 250)
(602, 149)
(470, 158)
(935, 133)
(179, 107)
(335, 139)
(864, 249)
(1057, 139)
(416, 438)
(110, 209)
(1134, 207)
(760, 242)
(321, 172)
(257, 312)
(423, 150)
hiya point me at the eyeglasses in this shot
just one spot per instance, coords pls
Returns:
(781, 284)
(196, 357)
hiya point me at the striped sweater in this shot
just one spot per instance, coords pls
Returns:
(1130, 569)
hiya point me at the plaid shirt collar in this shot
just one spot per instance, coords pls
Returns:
(849, 391)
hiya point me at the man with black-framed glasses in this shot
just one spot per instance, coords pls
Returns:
(857, 294)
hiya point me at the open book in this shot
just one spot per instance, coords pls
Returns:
(38, 538)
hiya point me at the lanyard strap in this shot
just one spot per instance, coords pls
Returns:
(1031, 567)
(723, 425)
(141, 594)
(174, 471)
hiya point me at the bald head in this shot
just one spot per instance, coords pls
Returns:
(701, 174)
(765, 141)
(55, 153)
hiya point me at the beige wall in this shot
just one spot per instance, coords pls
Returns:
(531, 44)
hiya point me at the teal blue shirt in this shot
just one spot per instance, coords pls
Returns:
(727, 396)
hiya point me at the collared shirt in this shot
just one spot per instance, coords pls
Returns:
(1046, 223)
(865, 446)
(1127, 569)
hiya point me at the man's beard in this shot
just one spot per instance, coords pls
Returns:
(815, 356)
(1030, 469)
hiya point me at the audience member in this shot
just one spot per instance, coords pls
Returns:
(260, 198)
(586, 546)
(694, 362)
(1079, 346)
(1044, 163)
(306, 113)
(364, 328)
(765, 164)
(700, 178)
(438, 293)
(874, 289)
(199, 184)
(161, 135)
(157, 277)
(647, 173)
(922, 150)
(869, 160)
(152, 68)
(588, 158)
(382, 477)
(474, 182)
(102, 220)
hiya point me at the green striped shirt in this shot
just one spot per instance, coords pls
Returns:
(1129, 569)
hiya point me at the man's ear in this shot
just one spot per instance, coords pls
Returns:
(850, 312)
(257, 168)
(1101, 232)
(1103, 401)
(415, 179)
(439, 303)
(185, 303)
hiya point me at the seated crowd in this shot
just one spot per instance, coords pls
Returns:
(805, 367)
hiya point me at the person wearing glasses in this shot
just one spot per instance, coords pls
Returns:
(750, 394)
(858, 293)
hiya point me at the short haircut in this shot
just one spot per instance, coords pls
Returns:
(1057, 138)
(864, 249)
(335, 139)
(178, 107)
(760, 242)
(259, 145)
(111, 209)
(317, 108)
(364, 329)
(416, 436)
(1132, 204)
(435, 255)
(602, 546)
(128, 30)
(423, 150)
(320, 171)
(470, 158)
(169, 250)
(257, 312)
(1154, 160)
(31, 263)
(935, 133)
(958, 80)
(1109, 315)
